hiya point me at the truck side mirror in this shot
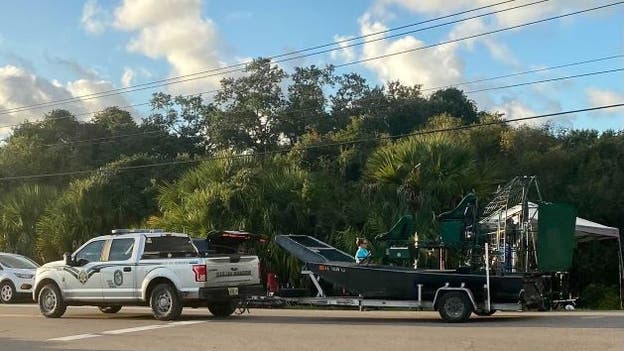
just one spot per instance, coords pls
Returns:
(68, 259)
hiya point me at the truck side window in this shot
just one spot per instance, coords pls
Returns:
(121, 249)
(91, 253)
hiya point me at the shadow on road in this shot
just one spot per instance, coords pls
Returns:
(369, 318)
(7, 344)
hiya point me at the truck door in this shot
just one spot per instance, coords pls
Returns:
(118, 273)
(82, 281)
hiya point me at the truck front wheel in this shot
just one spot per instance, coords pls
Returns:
(51, 303)
(165, 302)
(222, 309)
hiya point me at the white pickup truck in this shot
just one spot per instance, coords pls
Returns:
(145, 267)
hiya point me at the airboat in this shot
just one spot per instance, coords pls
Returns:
(510, 261)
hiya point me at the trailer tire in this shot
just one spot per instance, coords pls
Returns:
(222, 309)
(110, 309)
(484, 313)
(454, 307)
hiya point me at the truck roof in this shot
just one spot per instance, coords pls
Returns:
(136, 233)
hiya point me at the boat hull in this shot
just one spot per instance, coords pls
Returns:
(401, 283)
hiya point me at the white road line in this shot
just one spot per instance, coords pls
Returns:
(125, 330)
(186, 322)
(75, 337)
(136, 329)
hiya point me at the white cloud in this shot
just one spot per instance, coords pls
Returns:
(20, 87)
(345, 53)
(83, 87)
(176, 31)
(127, 77)
(94, 18)
(602, 97)
(430, 67)
(514, 109)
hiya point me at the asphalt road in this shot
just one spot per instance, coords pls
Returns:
(85, 328)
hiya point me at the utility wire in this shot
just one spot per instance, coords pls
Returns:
(547, 80)
(538, 70)
(229, 69)
(344, 143)
(449, 41)
(120, 136)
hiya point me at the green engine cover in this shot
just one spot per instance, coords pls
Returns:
(398, 253)
(555, 236)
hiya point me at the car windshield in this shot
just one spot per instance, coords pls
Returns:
(19, 262)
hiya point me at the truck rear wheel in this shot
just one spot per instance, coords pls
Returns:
(165, 302)
(454, 307)
(222, 309)
(51, 303)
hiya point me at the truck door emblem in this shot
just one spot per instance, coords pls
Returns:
(83, 277)
(118, 277)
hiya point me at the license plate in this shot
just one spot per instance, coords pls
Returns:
(232, 291)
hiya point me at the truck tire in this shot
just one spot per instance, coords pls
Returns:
(222, 309)
(165, 302)
(51, 303)
(454, 307)
(110, 309)
(7, 292)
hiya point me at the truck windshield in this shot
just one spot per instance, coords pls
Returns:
(169, 246)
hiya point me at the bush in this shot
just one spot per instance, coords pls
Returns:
(600, 297)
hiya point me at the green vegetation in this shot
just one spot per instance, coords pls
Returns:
(314, 152)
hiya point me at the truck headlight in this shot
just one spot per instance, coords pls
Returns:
(24, 275)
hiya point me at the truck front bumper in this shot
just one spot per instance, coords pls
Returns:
(230, 293)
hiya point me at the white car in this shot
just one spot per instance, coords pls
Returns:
(146, 267)
(16, 276)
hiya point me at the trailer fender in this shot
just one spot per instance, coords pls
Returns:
(447, 288)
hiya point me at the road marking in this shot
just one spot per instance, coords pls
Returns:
(186, 322)
(125, 330)
(74, 337)
(136, 329)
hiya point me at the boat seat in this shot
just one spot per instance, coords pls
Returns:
(402, 231)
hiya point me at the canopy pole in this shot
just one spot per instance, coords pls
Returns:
(621, 270)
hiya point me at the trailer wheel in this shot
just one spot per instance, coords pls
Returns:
(222, 309)
(454, 307)
(110, 309)
(484, 313)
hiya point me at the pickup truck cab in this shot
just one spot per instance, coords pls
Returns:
(145, 267)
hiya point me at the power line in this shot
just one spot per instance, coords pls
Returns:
(413, 49)
(548, 80)
(98, 111)
(343, 143)
(120, 136)
(525, 72)
(371, 98)
(228, 69)
(478, 35)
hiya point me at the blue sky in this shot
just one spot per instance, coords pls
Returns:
(51, 50)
